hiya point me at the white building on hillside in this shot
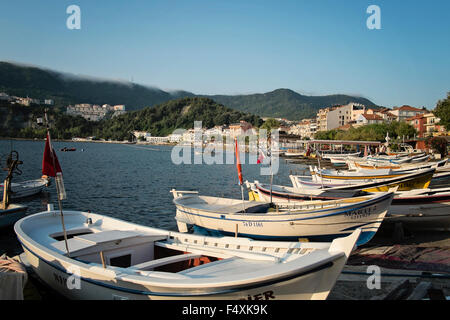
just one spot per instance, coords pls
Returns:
(334, 117)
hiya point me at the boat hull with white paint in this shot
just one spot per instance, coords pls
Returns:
(12, 214)
(419, 179)
(312, 220)
(114, 259)
(26, 188)
(420, 209)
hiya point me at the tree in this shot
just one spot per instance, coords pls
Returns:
(270, 124)
(437, 143)
(442, 111)
(370, 132)
(328, 135)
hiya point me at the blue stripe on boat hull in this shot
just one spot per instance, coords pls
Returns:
(364, 237)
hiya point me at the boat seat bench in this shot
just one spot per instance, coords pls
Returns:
(105, 240)
(163, 261)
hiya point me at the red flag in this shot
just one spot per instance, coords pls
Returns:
(50, 163)
(261, 157)
(238, 164)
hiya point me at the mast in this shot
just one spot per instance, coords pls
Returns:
(239, 169)
(59, 183)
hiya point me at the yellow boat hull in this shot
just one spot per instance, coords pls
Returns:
(417, 183)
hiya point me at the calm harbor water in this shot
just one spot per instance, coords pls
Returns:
(129, 182)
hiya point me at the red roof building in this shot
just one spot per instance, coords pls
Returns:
(418, 122)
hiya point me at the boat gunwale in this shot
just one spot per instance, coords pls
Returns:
(384, 196)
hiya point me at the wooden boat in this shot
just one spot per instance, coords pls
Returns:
(340, 156)
(396, 159)
(360, 175)
(27, 188)
(312, 220)
(294, 153)
(65, 149)
(264, 192)
(421, 209)
(356, 165)
(114, 259)
(11, 214)
(420, 159)
(419, 179)
(338, 161)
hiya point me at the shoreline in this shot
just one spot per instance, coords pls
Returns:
(68, 141)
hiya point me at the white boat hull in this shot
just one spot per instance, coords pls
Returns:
(11, 215)
(313, 222)
(26, 188)
(310, 274)
(310, 286)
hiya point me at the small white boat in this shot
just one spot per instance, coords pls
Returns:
(294, 153)
(11, 214)
(421, 209)
(420, 159)
(361, 175)
(354, 165)
(338, 161)
(397, 159)
(27, 188)
(418, 179)
(339, 156)
(313, 220)
(279, 194)
(114, 259)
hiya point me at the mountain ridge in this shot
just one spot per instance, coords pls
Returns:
(66, 88)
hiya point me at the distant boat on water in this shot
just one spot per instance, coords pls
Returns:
(27, 188)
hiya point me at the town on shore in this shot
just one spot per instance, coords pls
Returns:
(339, 117)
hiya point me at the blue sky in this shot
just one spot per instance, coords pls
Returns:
(247, 46)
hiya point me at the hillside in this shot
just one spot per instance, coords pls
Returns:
(163, 119)
(285, 103)
(69, 89)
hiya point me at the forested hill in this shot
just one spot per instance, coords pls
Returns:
(69, 89)
(160, 120)
(163, 119)
(285, 103)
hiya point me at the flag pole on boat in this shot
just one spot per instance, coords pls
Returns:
(239, 170)
(271, 171)
(51, 168)
(320, 170)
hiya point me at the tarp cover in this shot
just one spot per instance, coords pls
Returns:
(404, 257)
(13, 278)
